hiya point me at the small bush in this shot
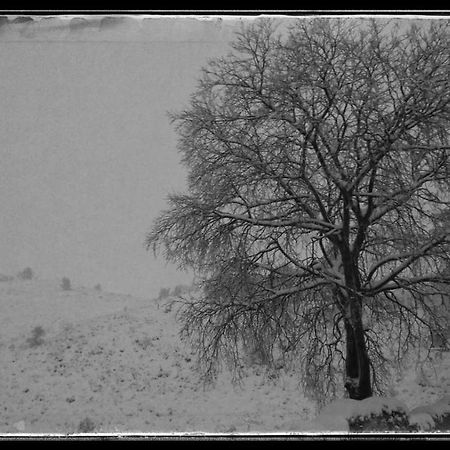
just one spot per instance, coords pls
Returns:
(98, 287)
(26, 274)
(385, 421)
(5, 278)
(163, 293)
(36, 338)
(145, 342)
(434, 417)
(442, 423)
(87, 425)
(255, 354)
(256, 357)
(65, 284)
(373, 414)
(178, 290)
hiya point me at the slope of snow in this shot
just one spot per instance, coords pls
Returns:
(112, 363)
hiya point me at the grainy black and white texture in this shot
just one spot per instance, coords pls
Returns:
(291, 175)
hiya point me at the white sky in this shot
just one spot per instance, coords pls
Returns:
(87, 150)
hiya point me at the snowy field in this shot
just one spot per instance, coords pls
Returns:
(86, 361)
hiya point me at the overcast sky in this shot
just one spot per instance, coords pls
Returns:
(87, 150)
(88, 154)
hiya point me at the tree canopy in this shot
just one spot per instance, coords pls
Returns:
(317, 209)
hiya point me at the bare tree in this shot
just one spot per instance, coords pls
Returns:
(318, 163)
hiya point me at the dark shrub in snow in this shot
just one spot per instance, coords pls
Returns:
(178, 290)
(36, 338)
(374, 414)
(163, 293)
(26, 274)
(432, 417)
(381, 421)
(256, 355)
(65, 284)
(86, 426)
(5, 278)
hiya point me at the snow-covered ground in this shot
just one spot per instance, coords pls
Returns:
(90, 361)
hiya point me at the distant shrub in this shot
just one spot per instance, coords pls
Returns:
(36, 338)
(87, 425)
(163, 293)
(256, 355)
(144, 342)
(98, 287)
(178, 290)
(26, 274)
(5, 278)
(65, 284)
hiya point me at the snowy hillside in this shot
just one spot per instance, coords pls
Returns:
(113, 363)
(88, 361)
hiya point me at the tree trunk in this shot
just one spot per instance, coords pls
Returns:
(357, 364)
